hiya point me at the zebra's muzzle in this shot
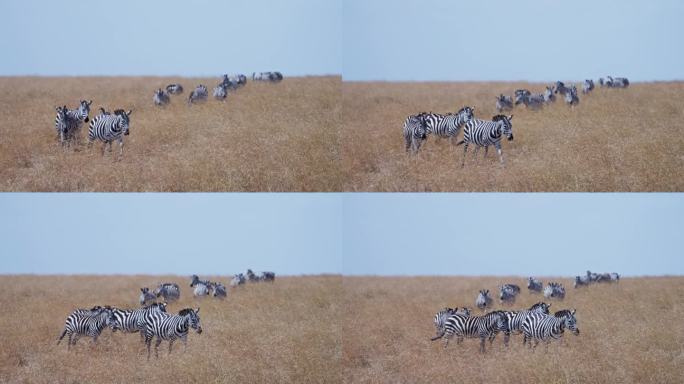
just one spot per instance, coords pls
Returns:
(510, 138)
(86, 119)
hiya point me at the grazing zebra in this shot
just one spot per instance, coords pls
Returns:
(508, 293)
(534, 285)
(108, 128)
(217, 289)
(160, 97)
(581, 281)
(483, 300)
(68, 122)
(618, 82)
(448, 125)
(415, 132)
(593, 277)
(174, 89)
(587, 86)
(484, 133)
(504, 103)
(198, 94)
(133, 320)
(84, 322)
(268, 276)
(474, 326)
(539, 326)
(521, 95)
(515, 319)
(238, 279)
(561, 88)
(146, 296)
(252, 277)
(171, 327)
(571, 97)
(554, 290)
(170, 291)
(201, 286)
(220, 92)
(549, 96)
(442, 316)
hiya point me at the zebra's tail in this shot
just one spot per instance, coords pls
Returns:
(62, 336)
(437, 337)
(460, 142)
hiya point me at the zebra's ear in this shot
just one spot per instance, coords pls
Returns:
(510, 117)
(572, 311)
(129, 112)
(197, 311)
(89, 102)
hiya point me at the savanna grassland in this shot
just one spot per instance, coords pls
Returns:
(264, 137)
(630, 332)
(614, 140)
(288, 331)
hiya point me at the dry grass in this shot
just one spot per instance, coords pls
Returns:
(615, 140)
(287, 331)
(265, 137)
(630, 333)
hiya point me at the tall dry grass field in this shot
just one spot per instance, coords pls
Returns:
(614, 140)
(264, 137)
(287, 331)
(631, 332)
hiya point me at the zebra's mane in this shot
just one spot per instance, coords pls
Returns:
(499, 117)
(185, 311)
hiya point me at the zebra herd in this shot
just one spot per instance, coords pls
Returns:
(486, 133)
(590, 278)
(151, 318)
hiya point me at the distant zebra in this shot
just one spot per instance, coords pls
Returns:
(534, 101)
(534, 285)
(593, 277)
(238, 279)
(504, 103)
(171, 327)
(217, 289)
(174, 89)
(133, 320)
(549, 96)
(515, 319)
(198, 94)
(614, 277)
(146, 296)
(554, 290)
(521, 95)
(252, 277)
(415, 132)
(69, 126)
(104, 112)
(483, 300)
(160, 97)
(108, 128)
(571, 97)
(220, 92)
(561, 88)
(442, 316)
(508, 293)
(201, 286)
(484, 133)
(169, 291)
(448, 125)
(587, 86)
(474, 326)
(62, 124)
(273, 77)
(268, 276)
(89, 324)
(581, 281)
(542, 327)
(618, 82)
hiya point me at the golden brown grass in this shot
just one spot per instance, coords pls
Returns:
(615, 140)
(287, 331)
(630, 333)
(265, 137)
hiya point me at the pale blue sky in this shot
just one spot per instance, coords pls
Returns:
(536, 40)
(170, 37)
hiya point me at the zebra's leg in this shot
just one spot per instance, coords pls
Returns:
(121, 145)
(507, 337)
(156, 346)
(482, 343)
(477, 149)
(170, 345)
(465, 151)
(486, 149)
(69, 342)
(498, 150)
(184, 339)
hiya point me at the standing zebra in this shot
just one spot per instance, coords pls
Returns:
(415, 132)
(483, 300)
(534, 101)
(504, 103)
(171, 327)
(571, 97)
(474, 326)
(539, 326)
(131, 321)
(508, 293)
(174, 89)
(549, 97)
(554, 290)
(252, 277)
(146, 296)
(588, 86)
(442, 316)
(581, 281)
(521, 95)
(534, 285)
(170, 291)
(62, 125)
(484, 133)
(69, 127)
(561, 88)
(515, 319)
(89, 323)
(448, 125)
(108, 128)
(198, 94)
(160, 97)
(238, 279)
(220, 92)
(217, 289)
(268, 276)
(201, 286)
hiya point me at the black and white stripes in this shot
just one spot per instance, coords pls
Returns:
(483, 133)
(108, 128)
(170, 328)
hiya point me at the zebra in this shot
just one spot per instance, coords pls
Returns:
(88, 323)
(252, 277)
(171, 327)
(508, 293)
(561, 88)
(448, 125)
(160, 97)
(108, 128)
(483, 300)
(62, 124)
(593, 277)
(268, 276)
(131, 321)
(415, 132)
(515, 319)
(614, 277)
(217, 289)
(549, 96)
(201, 286)
(485, 326)
(69, 125)
(146, 296)
(504, 103)
(104, 112)
(200, 93)
(174, 89)
(484, 133)
(587, 86)
(534, 285)
(170, 291)
(581, 281)
(521, 95)
(571, 97)
(442, 316)
(618, 82)
(539, 326)
(554, 290)
(220, 92)
(238, 279)
(534, 101)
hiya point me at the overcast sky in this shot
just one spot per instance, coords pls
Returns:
(170, 37)
(536, 40)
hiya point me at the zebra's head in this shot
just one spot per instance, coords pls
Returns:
(124, 120)
(195, 280)
(570, 320)
(466, 113)
(84, 110)
(193, 318)
(506, 125)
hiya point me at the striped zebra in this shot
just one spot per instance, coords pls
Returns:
(587, 86)
(201, 286)
(448, 125)
(146, 296)
(252, 277)
(238, 279)
(542, 327)
(484, 133)
(593, 277)
(508, 293)
(483, 300)
(581, 281)
(170, 327)
(515, 319)
(618, 82)
(69, 126)
(104, 112)
(220, 92)
(534, 101)
(571, 97)
(268, 276)
(561, 88)
(62, 125)
(483, 327)
(169, 291)
(108, 128)
(521, 95)
(504, 103)
(415, 132)
(217, 289)
(85, 322)
(200, 93)
(442, 316)
(554, 290)
(160, 97)
(534, 285)
(174, 89)
(549, 96)
(133, 320)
